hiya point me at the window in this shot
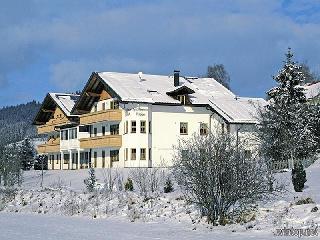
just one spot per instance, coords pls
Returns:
(126, 154)
(114, 155)
(149, 126)
(104, 106)
(66, 158)
(58, 158)
(203, 129)
(103, 129)
(114, 129)
(64, 135)
(183, 128)
(114, 105)
(95, 108)
(142, 126)
(133, 126)
(142, 154)
(126, 127)
(182, 99)
(95, 155)
(222, 128)
(150, 155)
(133, 153)
(95, 132)
(73, 133)
(103, 154)
(84, 128)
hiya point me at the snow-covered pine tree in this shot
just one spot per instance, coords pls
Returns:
(26, 154)
(285, 130)
(91, 181)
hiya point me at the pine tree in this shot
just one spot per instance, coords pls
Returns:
(26, 154)
(285, 129)
(298, 177)
(168, 187)
(91, 181)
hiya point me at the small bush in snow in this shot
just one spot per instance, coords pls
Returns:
(128, 185)
(315, 209)
(298, 177)
(91, 181)
(168, 187)
(304, 201)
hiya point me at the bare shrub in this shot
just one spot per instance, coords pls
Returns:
(147, 180)
(217, 174)
(112, 179)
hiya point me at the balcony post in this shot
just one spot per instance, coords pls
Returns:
(78, 160)
(70, 160)
(61, 161)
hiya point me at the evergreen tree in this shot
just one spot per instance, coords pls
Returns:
(285, 128)
(91, 181)
(168, 187)
(26, 154)
(219, 73)
(298, 177)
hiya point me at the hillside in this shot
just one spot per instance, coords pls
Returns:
(16, 122)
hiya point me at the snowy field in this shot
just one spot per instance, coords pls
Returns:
(61, 210)
(34, 227)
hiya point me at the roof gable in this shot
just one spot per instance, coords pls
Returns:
(53, 101)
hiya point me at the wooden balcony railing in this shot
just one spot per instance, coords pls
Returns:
(53, 145)
(101, 141)
(49, 126)
(106, 115)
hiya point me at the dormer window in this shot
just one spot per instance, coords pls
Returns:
(182, 99)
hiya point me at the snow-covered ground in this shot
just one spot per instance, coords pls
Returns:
(62, 208)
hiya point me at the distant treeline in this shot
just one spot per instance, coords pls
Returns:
(16, 122)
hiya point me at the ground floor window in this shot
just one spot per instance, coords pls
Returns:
(133, 153)
(95, 156)
(142, 154)
(114, 155)
(103, 154)
(66, 158)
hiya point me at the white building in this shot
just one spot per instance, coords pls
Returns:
(134, 120)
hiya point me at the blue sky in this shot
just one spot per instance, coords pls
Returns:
(54, 46)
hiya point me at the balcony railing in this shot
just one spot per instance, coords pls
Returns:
(49, 126)
(101, 141)
(106, 115)
(53, 145)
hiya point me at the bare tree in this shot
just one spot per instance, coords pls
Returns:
(219, 175)
(220, 74)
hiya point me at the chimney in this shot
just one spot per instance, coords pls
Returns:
(176, 76)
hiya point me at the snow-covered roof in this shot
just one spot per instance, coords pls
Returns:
(155, 88)
(65, 101)
(312, 90)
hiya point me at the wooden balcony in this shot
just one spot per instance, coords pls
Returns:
(106, 115)
(53, 145)
(49, 126)
(101, 141)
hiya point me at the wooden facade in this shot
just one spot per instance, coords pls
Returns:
(59, 118)
(101, 141)
(53, 145)
(106, 115)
